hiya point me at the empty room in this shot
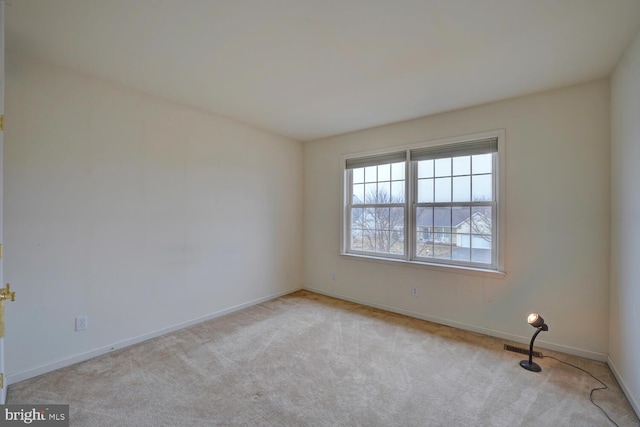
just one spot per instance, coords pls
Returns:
(320, 213)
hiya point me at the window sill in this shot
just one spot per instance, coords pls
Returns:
(424, 265)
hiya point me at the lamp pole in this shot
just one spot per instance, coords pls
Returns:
(530, 365)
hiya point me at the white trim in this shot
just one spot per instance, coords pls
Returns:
(3, 390)
(588, 354)
(634, 403)
(451, 268)
(344, 206)
(43, 369)
(501, 199)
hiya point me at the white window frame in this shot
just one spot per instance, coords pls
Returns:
(349, 208)
(409, 257)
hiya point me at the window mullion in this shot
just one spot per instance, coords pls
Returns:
(494, 212)
(348, 237)
(412, 250)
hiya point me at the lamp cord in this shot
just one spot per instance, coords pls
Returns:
(604, 386)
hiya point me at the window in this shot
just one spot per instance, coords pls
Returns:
(435, 203)
(377, 208)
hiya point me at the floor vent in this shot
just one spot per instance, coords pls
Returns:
(522, 351)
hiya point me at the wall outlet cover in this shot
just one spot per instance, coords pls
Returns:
(81, 323)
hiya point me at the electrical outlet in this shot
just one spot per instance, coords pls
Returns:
(414, 291)
(81, 323)
(333, 275)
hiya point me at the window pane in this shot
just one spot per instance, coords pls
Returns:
(460, 217)
(443, 167)
(442, 245)
(382, 218)
(482, 188)
(384, 172)
(481, 229)
(461, 248)
(463, 241)
(368, 241)
(424, 232)
(461, 188)
(356, 217)
(442, 218)
(382, 241)
(358, 194)
(358, 175)
(482, 163)
(481, 220)
(396, 225)
(424, 218)
(384, 192)
(371, 193)
(397, 242)
(442, 190)
(370, 174)
(442, 236)
(425, 169)
(424, 248)
(368, 229)
(397, 192)
(462, 165)
(356, 239)
(396, 219)
(481, 249)
(425, 191)
(481, 241)
(369, 219)
(397, 171)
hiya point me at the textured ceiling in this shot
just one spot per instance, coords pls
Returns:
(310, 69)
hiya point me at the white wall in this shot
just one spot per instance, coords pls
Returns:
(557, 213)
(139, 213)
(624, 345)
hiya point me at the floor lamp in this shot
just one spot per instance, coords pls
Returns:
(537, 322)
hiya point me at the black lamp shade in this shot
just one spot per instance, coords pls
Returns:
(535, 320)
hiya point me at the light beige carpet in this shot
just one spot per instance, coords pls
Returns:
(309, 360)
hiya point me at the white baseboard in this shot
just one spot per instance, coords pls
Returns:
(43, 369)
(601, 357)
(623, 386)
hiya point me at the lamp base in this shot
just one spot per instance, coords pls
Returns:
(533, 366)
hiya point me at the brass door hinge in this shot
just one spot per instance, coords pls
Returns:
(6, 293)
(0, 250)
(1, 380)
(2, 122)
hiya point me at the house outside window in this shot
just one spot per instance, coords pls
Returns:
(436, 203)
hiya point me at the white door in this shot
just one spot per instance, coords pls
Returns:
(3, 393)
